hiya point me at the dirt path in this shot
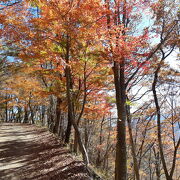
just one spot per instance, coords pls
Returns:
(31, 153)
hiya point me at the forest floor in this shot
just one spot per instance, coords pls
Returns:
(28, 152)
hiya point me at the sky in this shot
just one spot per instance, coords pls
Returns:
(173, 60)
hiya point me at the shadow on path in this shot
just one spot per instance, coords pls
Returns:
(31, 153)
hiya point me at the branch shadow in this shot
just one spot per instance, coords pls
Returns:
(34, 154)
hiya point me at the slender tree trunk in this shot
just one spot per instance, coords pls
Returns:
(157, 164)
(12, 114)
(81, 145)
(69, 88)
(168, 177)
(6, 108)
(98, 160)
(75, 148)
(82, 110)
(108, 148)
(58, 115)
(25, 114)
(150, 168)
(51, 114)
(61, 129)
(133, 150)
(6, 111)
(43, 110)
(68, 130)
(71, 118)
(19, 115)
(86, 135)
(32, 114)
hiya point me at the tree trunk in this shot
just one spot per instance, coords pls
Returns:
(121, 156)
(75, 148)
(157, 164)
(19, 115)
(133, 150)
(51, 115)
(168, 177)
(6, 111)
(25, 114)
(61, 129)
(32, 114)
(80, 143)
(86, 134)
(98, 160)
(71, 117)
(69, 87)
(58, 115)
(43, 110)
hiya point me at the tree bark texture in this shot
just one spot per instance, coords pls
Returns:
(121, 156)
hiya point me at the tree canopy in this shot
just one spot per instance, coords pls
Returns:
(98, 74)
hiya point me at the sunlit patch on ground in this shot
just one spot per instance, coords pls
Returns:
(31, 153)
